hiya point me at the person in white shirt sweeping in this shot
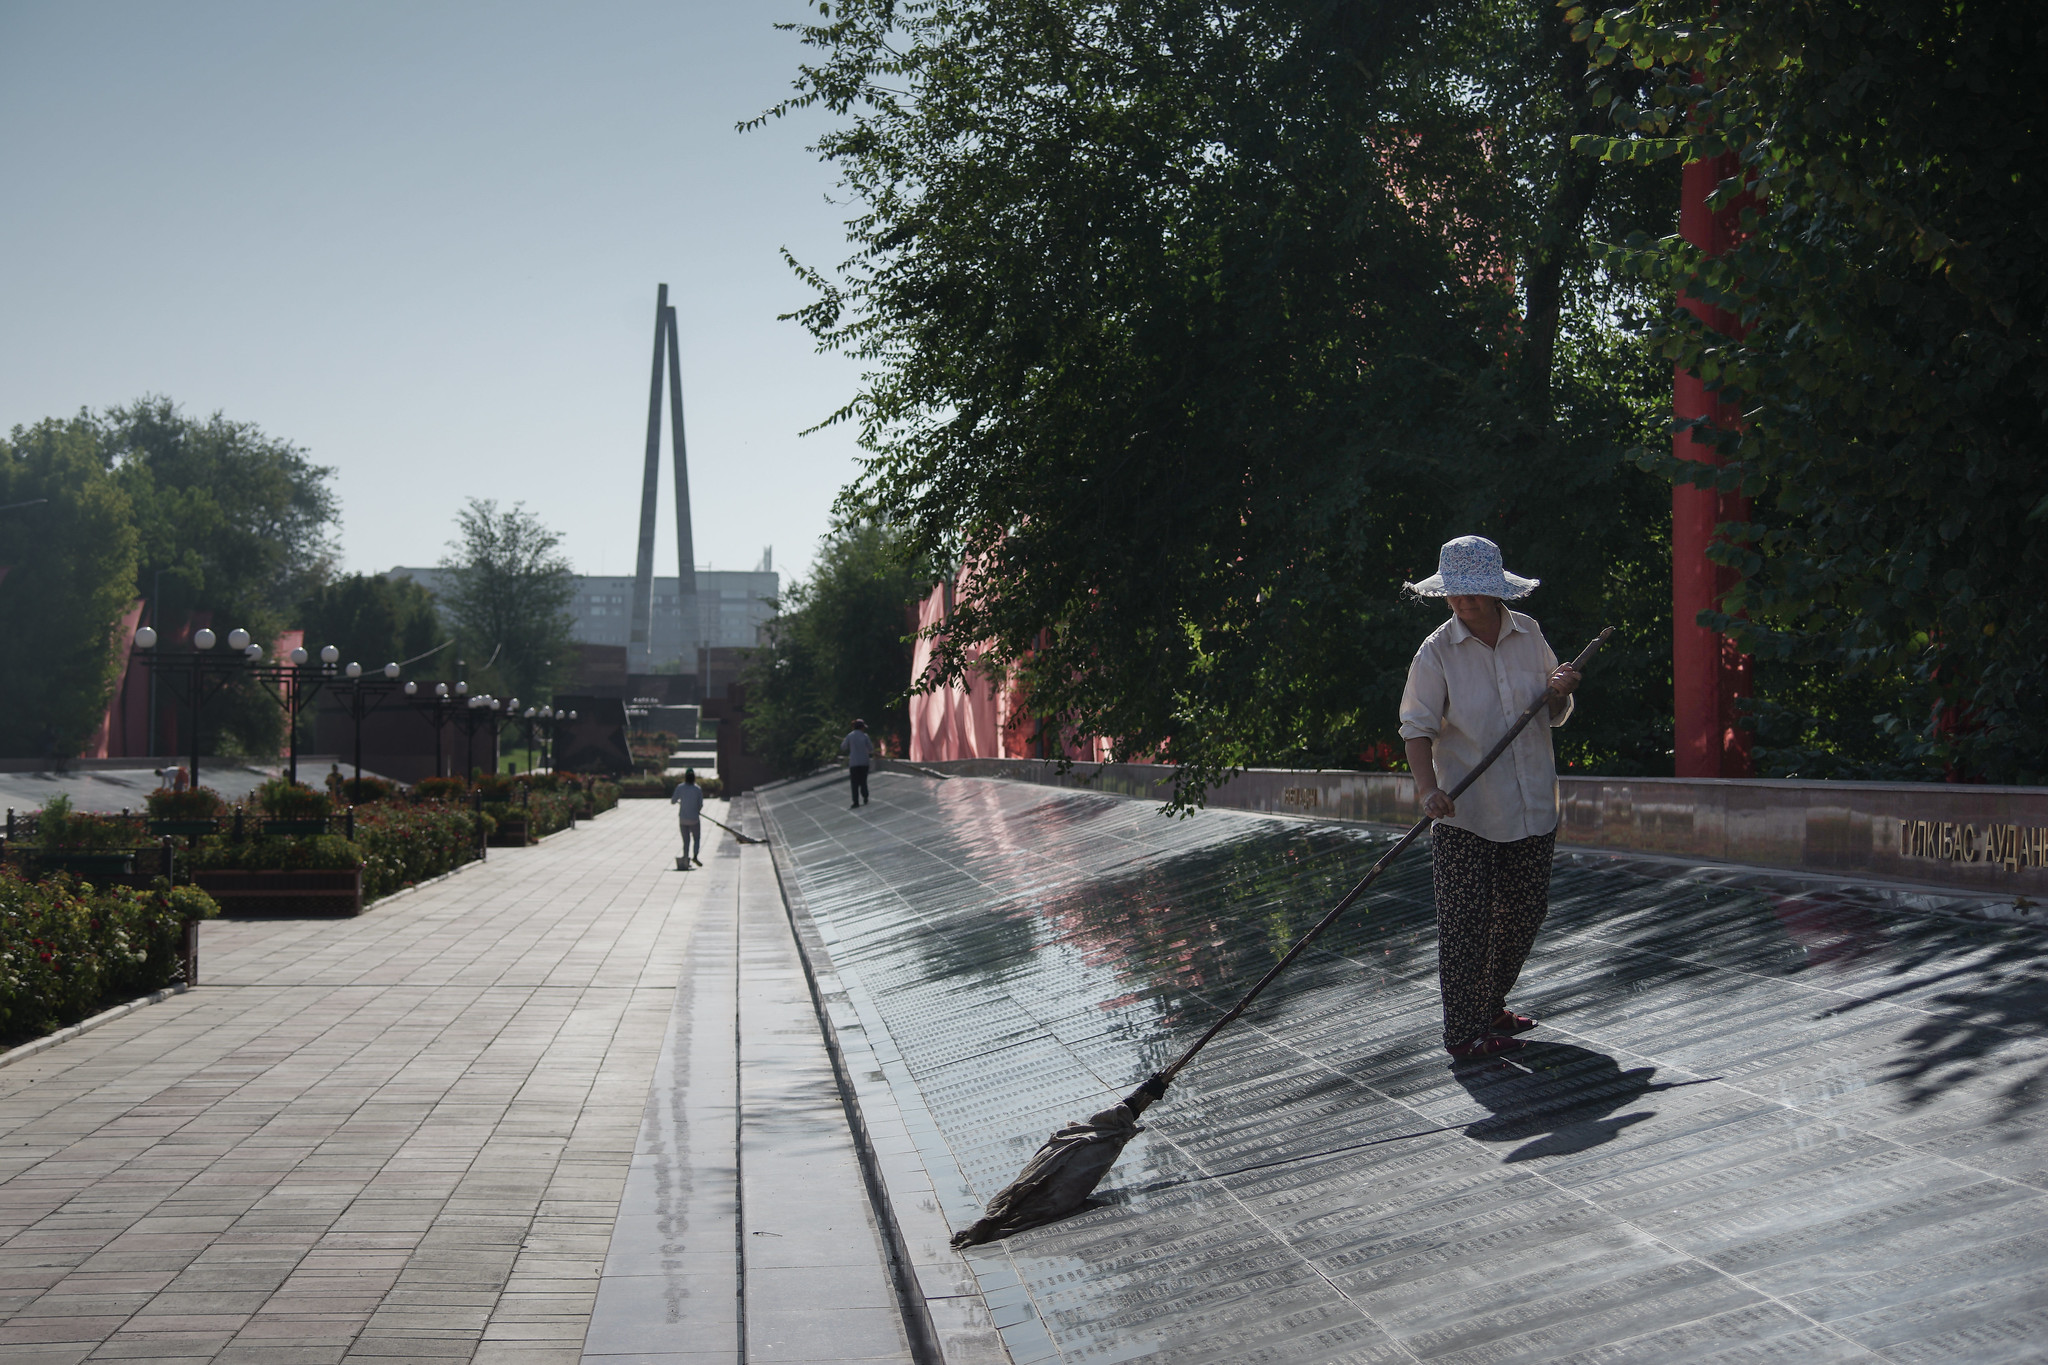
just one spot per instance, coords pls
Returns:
(1490, 852)
(860, 752)
(689, 802)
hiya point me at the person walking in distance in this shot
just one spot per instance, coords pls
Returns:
(1490, 852)
(859, 751)
(689, 802)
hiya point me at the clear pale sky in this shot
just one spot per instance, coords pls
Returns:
(422, 240)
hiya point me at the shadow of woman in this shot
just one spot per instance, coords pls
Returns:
(1555, 1099)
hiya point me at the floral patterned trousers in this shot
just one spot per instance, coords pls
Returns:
(1490, 901)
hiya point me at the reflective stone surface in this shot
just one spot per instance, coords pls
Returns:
(1952, 838)
(1757, 1123)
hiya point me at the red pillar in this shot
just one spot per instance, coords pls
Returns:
(1708, 673)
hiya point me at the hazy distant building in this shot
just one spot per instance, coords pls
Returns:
(732, 606)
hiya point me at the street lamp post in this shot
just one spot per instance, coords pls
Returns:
(549, 719)
(207, 673)
(480, 711)
(296, 684)
(366, 695)
(438, 711)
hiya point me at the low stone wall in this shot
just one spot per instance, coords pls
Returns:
(1987, 839)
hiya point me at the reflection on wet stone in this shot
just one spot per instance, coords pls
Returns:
(1763, 1120)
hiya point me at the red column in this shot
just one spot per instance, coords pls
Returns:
(1708, 673)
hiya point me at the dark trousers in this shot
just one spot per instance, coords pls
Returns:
(693, 837)
(859, 777)
(1490, 901)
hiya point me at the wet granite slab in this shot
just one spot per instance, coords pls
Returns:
(1760, 1121)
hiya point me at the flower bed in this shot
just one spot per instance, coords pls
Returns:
(289, 849)
(69, 949)
(402, 845)
(317, 872)
(531, 816)
(650, 749)
(395, 846)
(58, 830)
(642, 787)
(546, 802)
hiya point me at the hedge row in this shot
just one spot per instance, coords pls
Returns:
(396, 842)
(664, 785)
(404, 845)
(396, 846)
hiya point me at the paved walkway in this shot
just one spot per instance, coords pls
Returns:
(404, 1136)
(745, 1217)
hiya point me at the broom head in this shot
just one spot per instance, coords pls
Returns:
(1064, 1172)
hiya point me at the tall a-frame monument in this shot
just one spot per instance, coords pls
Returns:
(640, 636)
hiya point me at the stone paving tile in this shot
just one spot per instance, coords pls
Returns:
(1763, 1121)
(398, 1137)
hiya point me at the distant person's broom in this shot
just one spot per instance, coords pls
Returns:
(1065, 1171)
(743, 838)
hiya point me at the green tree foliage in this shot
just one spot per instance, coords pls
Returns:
(236, 520)
(205, 516)
(509, 595)
(1196, 328)
(1893, 278)
(70, 575)
(374, 621)
(233, 522)
(839, 649)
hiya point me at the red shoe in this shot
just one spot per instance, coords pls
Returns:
(1507, 1021)
(1484, 1046)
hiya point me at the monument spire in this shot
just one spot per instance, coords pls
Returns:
(686, 550)
(640, 631)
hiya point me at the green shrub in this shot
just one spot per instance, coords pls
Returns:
(67, 949)
(395, 844)
(440, 789)
(494, 786)
(277, 853)
(282, 799)
(149, 925)
(403, 845)
(60, 828)
(544, 811)
(365, 791)
(644, 785)
(196, 803)
(552, 811)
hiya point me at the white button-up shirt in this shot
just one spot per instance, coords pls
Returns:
(1463, 696)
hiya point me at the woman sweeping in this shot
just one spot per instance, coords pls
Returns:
(1490, 852)
(1476, 687)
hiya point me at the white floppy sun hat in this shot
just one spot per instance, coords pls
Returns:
(1470, 567)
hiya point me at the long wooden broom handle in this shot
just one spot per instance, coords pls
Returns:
(1156, 1085)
